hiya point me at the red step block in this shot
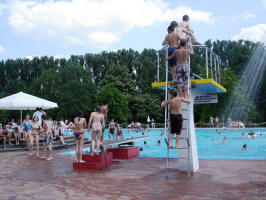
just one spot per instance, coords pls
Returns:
(95, 162)
(124, 152)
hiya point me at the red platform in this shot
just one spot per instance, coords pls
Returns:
(95, 162)
(124, 152)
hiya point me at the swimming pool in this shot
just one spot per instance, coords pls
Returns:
(207, 148)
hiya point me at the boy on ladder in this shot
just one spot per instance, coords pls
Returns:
(182, 68)
(176, 119)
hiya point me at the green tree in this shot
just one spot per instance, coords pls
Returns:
(120, 78)
(118, 103)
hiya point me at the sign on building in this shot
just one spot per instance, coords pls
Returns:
(213, 98)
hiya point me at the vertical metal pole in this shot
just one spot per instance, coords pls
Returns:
(20, 117)
(219, 70)
(215, 69)
(166, 108)
(206, 59)
(158, 65)
(211, 64)
(188, 119)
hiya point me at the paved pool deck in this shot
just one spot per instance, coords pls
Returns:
(23, 177)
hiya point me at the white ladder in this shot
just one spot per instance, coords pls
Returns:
(184, 138)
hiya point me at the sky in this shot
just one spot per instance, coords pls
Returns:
(61, 28)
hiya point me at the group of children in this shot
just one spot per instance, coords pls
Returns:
(177, 38)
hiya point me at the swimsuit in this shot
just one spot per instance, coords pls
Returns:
(34, 135)
(27, 126)
(172, 61)
(97, 127)
(176, 121)
(182, 74)
(47, 138)
(78, 133)
(5, 133)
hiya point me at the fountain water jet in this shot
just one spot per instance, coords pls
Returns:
(245, 94)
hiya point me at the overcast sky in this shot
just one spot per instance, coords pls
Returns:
(65, 27)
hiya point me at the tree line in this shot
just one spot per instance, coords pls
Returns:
(123, 77)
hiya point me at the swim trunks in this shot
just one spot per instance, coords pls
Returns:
(182, 75)
(47, 138)
(173, 61)
(176, 123)
(77, 134)
(119, 132)
(112, 131)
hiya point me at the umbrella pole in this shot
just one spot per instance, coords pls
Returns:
(21, 117)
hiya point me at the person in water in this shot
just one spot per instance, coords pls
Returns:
(182, 68)
(79, 125)
(97, 123)
(176, 119)
(35, 130)
(172, 39)
(244, 147)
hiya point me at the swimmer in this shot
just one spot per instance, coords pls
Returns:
(176, 119)
(224, 140)
(244, 147)
(97, 123)
(172, 39)
(213, 139)
(159, 142)
(26, 129)
(145, 142)
(79, 125)
(242, 135)
(182, 68)
(141, 149)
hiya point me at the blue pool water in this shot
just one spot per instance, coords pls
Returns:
(207, 149)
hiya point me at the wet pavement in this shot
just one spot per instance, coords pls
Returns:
(23, 177)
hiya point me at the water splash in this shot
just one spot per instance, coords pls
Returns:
(243, 100)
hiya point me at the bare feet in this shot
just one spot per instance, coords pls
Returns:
(178, 147)
(30, 154)
(43, 157)
(50, 158)
(37, 155)
(82, 161)
(92, 153)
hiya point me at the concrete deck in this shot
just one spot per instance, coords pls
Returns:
(23, 177)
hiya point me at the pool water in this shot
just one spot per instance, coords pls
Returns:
(207, 148)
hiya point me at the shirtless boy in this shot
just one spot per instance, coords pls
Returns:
(181, 31)
(111, 130)
(176, 119)
(185, 25)
(97, 121)
(172, 39)
(182, 69)
(47, 138)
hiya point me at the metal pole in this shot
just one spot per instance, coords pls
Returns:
(166, 107)
(21, 117)
(219, 70)
(215, 71)
(211, 64)
(206, 59)
(158, 66)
